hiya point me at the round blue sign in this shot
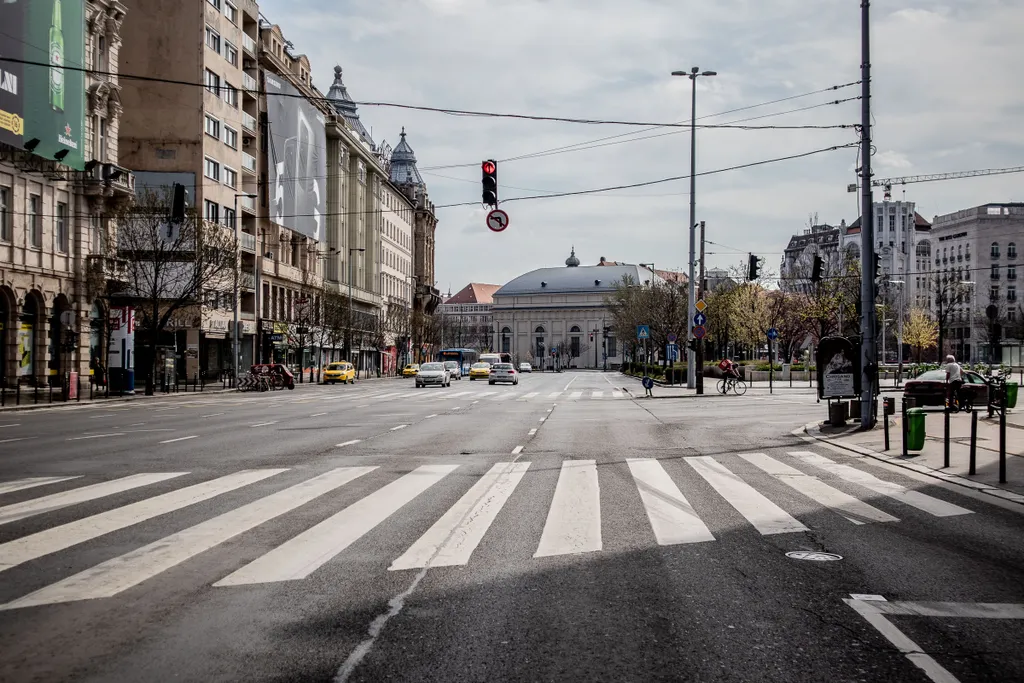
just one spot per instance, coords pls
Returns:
(648, 383)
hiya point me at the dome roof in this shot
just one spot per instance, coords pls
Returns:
(403, 164)
(345, 106)
(572, 261)
(574, 280)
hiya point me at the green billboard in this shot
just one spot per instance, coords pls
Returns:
(42, 82)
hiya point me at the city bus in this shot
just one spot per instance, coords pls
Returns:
(464, 357)
(493, 358)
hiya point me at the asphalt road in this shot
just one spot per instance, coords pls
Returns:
(556, 530)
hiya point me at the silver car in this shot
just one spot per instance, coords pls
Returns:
(503, 372)
(453, 369)
(433, 373)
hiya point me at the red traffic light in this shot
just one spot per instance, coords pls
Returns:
(488, 167)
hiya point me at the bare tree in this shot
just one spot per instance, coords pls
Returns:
(169, 265)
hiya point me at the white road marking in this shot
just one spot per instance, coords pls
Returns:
(181, 438)
(395, 429)
(502, 397)
(456, 407)
(211, 415)
(94, 436)
(485, 393)
(575, 395)
(318, 414)
(365, 405)
(264, 424)
(430, 416)
(554, 394)
(596, 394)
(56, 501)
(616, 394)
(453, 538)
(853, 509)
(934, 506)
(574, 518)
(764, 515)
(570, 382)
(13, 424)
(671, 515)
(32, 482)
(91, 417)
(307, 552)
(348, 443)
(517, 450)
(542, 419)
(18, 438)
(532, 432)
(528, 396)
(121, 573)
(65, 536)
(460, 393)
(475, 402)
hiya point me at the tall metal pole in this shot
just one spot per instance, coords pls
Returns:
(867, 231)
(235, 303)
(348, 342)
(691, 358)
(700, 342)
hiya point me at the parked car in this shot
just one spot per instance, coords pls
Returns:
(479, 371)
(525, 367)
(433, 373)
(503, 372)
(929, 388)
(411, 370)
(339, 372)
(454, 369)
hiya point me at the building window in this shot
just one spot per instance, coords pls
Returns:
(101, 139)
(211, 169)
(231, 53)
(230, 177)
(995, 250)
(230, 94)
(212, 127)
(211, 211)
(100, 60)
(994, 274)
(63, 243)
(1011, 272)
(892, 222)
(993, 293)
(35, 221)
(231, 137)
(574, 347)
(229, 217)
(212, 82)
(212, 40)
(1011, 250)
(1011, 293)
(215, 3)
(5, 214)
(231, 12)
(612, 351)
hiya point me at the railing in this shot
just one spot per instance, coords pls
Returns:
(248, 44)
(248, 203)
(249, 122)
(247, 242)
(108, 267)
(248, 162)
(247, 280)
(249, 83)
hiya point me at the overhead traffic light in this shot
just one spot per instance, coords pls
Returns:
(878, 266)
(489, 180)
(816, 269)
(753, 267)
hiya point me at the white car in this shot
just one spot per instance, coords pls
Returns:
(453, 369)
(433, 373)
(525, 367)
(503, 372)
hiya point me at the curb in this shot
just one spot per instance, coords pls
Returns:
(813, 430)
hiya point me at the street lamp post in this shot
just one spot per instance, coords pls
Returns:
(971, 284)
(691, 370)
(234, 328)
(348, 343)
(899, 330)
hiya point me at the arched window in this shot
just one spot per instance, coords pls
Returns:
(506, 340)
(575, 329)
(540, 329)
(995, 250)
(1011, 250)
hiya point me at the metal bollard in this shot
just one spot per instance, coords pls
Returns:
(945, 439)
(974, 442)
(903, 424)
(1002, 435)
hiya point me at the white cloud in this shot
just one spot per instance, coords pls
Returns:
(945, 97)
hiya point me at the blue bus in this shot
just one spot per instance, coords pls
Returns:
(464, 357)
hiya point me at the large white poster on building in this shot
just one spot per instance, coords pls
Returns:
(122, 338)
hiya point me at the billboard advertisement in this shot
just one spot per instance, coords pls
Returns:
(838, 361)
(297, 160)
(44, 98)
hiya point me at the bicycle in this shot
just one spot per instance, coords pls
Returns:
(738, 386)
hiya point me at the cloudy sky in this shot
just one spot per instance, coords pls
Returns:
(947, 96)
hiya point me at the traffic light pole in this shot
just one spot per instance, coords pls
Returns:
(867, 232)
(700, 342)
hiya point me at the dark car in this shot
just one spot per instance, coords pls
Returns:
(929, 388)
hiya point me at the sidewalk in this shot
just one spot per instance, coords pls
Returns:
(930, 459)
(633, 385)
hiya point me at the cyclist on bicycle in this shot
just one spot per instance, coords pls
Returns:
(954, 380)
(728, 368)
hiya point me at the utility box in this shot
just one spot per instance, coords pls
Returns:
(915, 429)
(837, 413)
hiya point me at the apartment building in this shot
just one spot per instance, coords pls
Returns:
(60, 182)
(397, 280)
(467, 322)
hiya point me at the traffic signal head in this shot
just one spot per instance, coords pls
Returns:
(816, 269)
(179, 201)
(753, 267)
(878, 266)
(489, 180)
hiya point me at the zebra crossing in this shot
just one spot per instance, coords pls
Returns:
(573, 525)
(505, 393)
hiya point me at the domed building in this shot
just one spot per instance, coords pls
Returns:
(563, 309)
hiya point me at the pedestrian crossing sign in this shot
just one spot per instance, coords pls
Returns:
(643, 332)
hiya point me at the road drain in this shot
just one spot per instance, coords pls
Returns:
(813, 556)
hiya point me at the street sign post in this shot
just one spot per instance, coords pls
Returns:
(773, 334)
(497, 220)
(700, 305)
(643, 332)
(699, 332)
(700, 320)
(672, 338)
(673, 352)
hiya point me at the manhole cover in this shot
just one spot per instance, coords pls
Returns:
(813, 556)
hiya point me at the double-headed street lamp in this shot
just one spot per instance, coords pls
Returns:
(692, 74)
(234, 329)
(348, 344)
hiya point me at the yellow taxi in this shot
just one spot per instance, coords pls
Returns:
(479, 371)
(411, 370)
(339, 372)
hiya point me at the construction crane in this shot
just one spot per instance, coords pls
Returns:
(887, 183)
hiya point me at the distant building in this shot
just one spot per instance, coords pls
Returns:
(466, 317)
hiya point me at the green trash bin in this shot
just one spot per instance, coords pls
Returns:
(915, 429)
(1011, 394)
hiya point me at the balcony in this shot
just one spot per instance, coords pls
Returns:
(108, 268)
(248, 162)
(246, 281)
(119, 179)
(247, 242)
(248, 204)
(249, 123)
(250, 85)
(249, 45)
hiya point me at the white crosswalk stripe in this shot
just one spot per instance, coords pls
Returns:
(554, 394)
(56, 501)
(853, 509)
(307, 552)
(766, 516)
(575, 395)
(921, 501)
(616, 394)
(528, 396)
(597, 394)
(58, 538)
(574, 518)
(504, 397)
(458, 532)
(31, 482)
(672, 517)
(121, 573)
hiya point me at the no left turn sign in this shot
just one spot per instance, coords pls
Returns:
(497, 220)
